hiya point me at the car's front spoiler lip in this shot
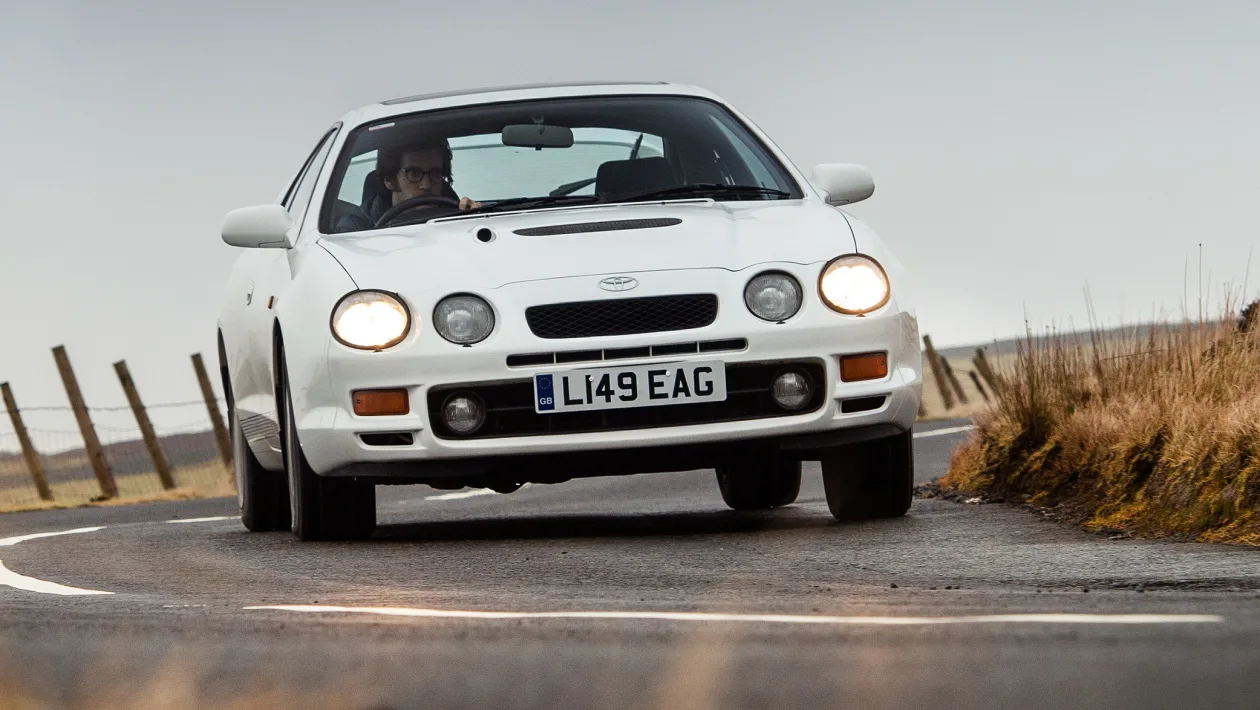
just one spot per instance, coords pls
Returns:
(603, 462)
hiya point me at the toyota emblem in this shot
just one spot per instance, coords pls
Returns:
(618, 283)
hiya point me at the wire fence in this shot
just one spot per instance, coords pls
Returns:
(188, 443)
(127, 453)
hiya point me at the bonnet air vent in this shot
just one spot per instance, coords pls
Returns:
(610, 226)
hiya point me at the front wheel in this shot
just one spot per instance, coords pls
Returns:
(871, 479)
(321, 508)
(759, 484)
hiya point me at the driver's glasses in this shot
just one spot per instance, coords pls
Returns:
(416, 175)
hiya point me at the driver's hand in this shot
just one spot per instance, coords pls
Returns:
(467, 203)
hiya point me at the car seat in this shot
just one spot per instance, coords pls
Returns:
(624, 177)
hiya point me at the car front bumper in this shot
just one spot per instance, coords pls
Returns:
(332, 435)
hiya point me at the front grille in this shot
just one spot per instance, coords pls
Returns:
(510, 406)
(625, 316)
(706, 346)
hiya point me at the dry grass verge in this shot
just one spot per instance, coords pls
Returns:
(1158, 437)
(210, 480)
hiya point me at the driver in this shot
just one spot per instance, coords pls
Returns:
(418, 170)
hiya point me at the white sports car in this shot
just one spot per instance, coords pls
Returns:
(536, 283)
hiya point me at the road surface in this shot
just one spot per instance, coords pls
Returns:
(638, 592)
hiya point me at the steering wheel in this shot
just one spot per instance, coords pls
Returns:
(413, 202)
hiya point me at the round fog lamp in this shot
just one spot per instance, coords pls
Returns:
(463, 414)
(791, 390)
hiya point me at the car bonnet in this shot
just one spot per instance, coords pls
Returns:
(491, 251)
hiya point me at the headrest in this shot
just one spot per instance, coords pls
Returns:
(373, 189)
(618, 177)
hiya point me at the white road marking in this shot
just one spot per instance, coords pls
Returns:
(9, 578)
(765, 618)
(943, 432)
(10, 541)
(459, 495)
(199, 520)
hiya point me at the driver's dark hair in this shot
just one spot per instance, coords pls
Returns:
(389, 159)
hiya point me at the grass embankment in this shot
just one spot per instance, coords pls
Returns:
(1158, 437)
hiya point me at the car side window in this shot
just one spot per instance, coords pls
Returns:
(300, 196)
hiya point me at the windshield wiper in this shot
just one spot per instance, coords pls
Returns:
(568, 187)
(527, 202)
(700, 190)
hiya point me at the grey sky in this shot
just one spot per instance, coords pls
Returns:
(1020, 150)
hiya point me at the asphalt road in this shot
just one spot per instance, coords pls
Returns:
(954, 605)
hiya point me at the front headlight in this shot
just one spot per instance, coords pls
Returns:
(463, 319)
(370, 320)
(854, 284)
(773, 296)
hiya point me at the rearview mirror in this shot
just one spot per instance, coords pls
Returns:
(259, 227)
(843, 183)
(537, 136)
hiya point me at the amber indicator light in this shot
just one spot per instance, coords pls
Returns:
(868, 366)
(379, 403)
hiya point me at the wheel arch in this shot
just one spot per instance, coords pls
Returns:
(229, 399)
(277, 360)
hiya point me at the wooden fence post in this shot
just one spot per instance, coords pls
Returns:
(96, 454)
(938, 374)
(953, 381)
(216, 418)
(160, 464)
(975, 379)
(982, 365)
(33, 464)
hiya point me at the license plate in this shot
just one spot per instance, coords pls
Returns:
(631, 386)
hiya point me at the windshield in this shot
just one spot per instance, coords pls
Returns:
(526, 155)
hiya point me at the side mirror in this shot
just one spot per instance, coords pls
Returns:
(259, 227)
(843, 183)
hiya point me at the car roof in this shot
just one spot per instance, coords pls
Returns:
(517, 92)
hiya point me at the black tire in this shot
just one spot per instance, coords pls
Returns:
(759, 484)
(870, 480)
(321, 508)
(262, 495)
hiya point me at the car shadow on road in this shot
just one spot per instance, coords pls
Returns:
(551, 526)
